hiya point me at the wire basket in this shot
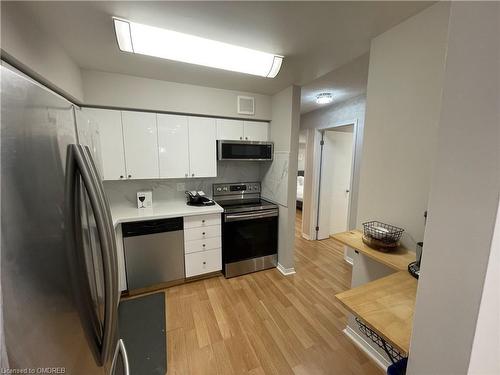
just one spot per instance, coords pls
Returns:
(393, 354)
(382, 232)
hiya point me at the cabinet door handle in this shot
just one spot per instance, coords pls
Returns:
(121, 176)
(129, 176)
(241, 137)
(203, 245)
(203, 221)
(246, 138)
(192, 175)
(204, 263)
(203, 233)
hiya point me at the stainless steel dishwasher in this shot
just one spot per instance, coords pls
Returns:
(154, 252)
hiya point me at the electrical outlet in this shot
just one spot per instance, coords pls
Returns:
(181, 186)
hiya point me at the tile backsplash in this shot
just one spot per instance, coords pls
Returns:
(227, 171)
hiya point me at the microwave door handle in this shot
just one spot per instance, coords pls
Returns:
(250, 216)
(107, 246)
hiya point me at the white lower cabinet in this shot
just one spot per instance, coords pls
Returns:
(203, 262)
(202, 244)
(197, 221)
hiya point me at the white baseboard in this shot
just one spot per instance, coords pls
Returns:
(366, 347)
(285, 271)
(306, 236)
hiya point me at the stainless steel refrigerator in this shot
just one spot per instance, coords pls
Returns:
(58, 257)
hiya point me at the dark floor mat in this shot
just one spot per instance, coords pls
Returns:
(141, 324)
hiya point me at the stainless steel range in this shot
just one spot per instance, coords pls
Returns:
(249, 228)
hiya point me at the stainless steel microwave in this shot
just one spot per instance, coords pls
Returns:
(245, 150)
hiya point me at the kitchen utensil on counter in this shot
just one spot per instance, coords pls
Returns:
(198, 198)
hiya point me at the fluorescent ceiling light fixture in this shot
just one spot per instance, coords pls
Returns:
(153, 41)
(324, 98)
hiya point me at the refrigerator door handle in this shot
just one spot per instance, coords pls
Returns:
(78, 163)
(120, 348)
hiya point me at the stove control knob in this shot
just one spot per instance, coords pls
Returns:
(219, 189)
(225, 188)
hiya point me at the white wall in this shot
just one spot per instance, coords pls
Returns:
(302, 157)
(486, 345)
(125, 91)
(403, 104)
(463, 196)
(31, 50)
(279, 178)
(348, 111)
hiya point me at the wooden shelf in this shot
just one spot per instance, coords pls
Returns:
(397, 259)
(386, 306)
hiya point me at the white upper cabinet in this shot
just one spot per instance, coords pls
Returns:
(202, 147)
(140, 138)
(255, 131)
(88, 135)
(173, 141)
(110, 142)
(242, 130)
(229, 129)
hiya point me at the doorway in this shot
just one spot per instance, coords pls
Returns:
(332, 182)
(335, 180)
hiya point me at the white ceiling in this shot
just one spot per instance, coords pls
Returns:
(314, 37)
(344, 83)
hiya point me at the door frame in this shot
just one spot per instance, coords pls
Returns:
(357, 142)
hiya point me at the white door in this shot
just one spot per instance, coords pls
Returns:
(255, 131)
(202, 147)
(173, 146)
(340, 180)
(140, 138)
(229, 129)
(110, 137)
(335, 182)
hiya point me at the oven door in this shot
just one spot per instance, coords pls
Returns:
(249, 235)
(244, 150)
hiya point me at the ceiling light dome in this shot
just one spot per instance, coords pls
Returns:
(324, 98)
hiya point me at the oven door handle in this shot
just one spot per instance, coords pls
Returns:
(250, 216)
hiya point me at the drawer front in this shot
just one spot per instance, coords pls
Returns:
(201, 233)
(202, 245)
(203, 262)
(201, 220)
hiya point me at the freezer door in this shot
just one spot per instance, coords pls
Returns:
(41, 319)
(93, 265)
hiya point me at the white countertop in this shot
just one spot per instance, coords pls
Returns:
(125, 212)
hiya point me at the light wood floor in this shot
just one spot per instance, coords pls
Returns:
(266, 323)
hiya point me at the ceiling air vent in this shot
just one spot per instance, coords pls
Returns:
(246, 105)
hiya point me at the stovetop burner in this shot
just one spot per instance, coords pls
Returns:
(241, 197)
